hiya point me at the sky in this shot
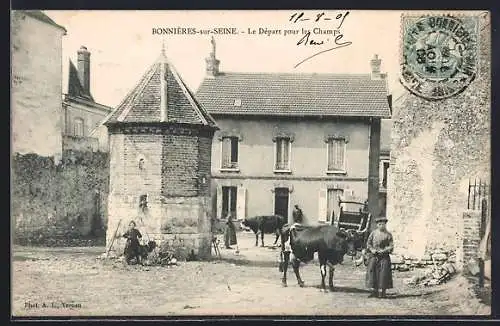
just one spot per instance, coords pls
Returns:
(123, 46)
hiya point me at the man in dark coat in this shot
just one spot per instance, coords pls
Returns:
(230, 233)
(297, 214)
(132, 246)
(378, 247)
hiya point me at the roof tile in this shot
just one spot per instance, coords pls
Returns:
(295, 95)
(144, 102)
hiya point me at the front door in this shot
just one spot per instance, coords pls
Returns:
(281, 198)
(333, 205)
(229, 202)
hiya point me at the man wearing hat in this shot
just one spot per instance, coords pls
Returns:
(297, 214)
(379, 245)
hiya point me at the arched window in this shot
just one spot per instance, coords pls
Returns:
(78, 127)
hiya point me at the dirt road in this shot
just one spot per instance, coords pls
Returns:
(71, 281)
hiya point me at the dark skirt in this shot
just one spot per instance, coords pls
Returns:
(230, 235)
(131, 248)
(379, 273)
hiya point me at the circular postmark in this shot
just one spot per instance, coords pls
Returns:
(439, 55)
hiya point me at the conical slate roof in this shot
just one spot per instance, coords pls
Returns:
(161, 96)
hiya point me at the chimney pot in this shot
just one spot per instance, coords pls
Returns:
(375, 65)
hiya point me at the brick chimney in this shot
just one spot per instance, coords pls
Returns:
(84, 69)
(375, 65)
(212, 62)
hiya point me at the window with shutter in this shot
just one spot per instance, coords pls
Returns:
(283, 148)
(322, 205)
(336, 155)
(230, 153)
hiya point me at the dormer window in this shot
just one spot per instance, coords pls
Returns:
(237, 102)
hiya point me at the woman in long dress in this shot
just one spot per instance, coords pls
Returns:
(230, 233)
(379, 245)
(131, 250)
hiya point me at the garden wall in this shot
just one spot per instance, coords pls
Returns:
(62, 204)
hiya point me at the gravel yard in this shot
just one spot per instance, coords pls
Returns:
(72, 281)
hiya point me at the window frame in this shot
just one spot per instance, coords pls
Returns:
(329, 142)
(385, 172)
(237, 140)
(277, 140)
(76, 122)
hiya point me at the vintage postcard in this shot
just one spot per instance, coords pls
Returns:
(236, 163)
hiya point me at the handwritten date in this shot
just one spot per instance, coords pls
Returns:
(299, 17)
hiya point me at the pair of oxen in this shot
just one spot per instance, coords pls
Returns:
(299, 243)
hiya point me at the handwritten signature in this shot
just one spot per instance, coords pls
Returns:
(307, 39)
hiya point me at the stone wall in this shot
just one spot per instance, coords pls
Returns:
(469, 237)
(178, 225)
(49, 201)
(173, 171)
(180, 165)
(36, 86)
(436, 147)
(80, 143)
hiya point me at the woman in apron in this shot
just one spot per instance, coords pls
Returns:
(379, 246)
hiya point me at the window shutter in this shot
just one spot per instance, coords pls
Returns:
(226, 152)
(219, 202)
(241, 203)
(322, 205)
(330, 155)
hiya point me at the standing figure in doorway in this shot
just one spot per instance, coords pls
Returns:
(230, 233)
(379, 245)
(132, 246)
(297, 214)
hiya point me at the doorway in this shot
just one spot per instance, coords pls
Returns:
(281, 202)
(228, 202)
(333, 204)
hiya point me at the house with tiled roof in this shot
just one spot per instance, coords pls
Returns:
(294, 138)
(36, 107)
(81, 113)
(160, 154)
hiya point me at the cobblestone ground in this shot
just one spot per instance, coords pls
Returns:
(72, 281)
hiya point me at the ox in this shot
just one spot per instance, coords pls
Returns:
(265, 224)
(328, 241)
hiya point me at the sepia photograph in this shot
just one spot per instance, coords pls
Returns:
(250, 163)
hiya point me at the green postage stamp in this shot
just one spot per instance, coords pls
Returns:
(439, 54)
